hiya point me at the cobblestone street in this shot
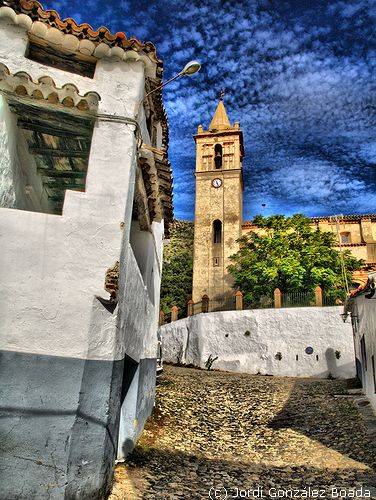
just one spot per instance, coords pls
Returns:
(215, 429)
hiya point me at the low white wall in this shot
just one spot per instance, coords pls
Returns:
(248, 341)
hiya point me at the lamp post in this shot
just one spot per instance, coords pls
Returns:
(189, 69)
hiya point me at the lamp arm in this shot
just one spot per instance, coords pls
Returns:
(137, 108)
(162, 85)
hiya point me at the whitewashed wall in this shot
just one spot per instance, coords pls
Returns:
(67, 256)
(68, 360)
(248, 341)
(365, 311)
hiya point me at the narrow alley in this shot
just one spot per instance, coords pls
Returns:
(241, 434)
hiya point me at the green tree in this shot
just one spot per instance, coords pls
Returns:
(287, 253)
(176, 286)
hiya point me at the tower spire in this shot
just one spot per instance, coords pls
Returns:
(220, 119)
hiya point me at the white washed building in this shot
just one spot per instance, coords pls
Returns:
(85, 197)
(361, 305)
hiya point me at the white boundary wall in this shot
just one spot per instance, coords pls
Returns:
(269, 332)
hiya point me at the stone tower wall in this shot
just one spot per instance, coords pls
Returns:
(224, 203)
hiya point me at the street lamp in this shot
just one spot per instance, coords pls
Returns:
(189, 69)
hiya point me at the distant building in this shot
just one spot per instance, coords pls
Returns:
(218, 211)
(85, 197)
(361, 305)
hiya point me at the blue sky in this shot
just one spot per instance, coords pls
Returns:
(299, 76)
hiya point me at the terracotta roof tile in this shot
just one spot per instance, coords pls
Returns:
(365, 287)
(345, 217)
(22, 84)
(34, 10)
(348, 217)
(70, 36)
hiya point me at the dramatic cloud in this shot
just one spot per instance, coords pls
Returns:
(298, 77)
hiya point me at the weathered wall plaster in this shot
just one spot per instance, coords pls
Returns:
(7, 153)
(248, 341)
(67, 358)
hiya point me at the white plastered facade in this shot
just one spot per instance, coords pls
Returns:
(65, 355)
(53, 266)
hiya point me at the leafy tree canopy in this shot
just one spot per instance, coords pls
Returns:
(176, 286)
(287, 253)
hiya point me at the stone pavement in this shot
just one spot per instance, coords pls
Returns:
(243, 432)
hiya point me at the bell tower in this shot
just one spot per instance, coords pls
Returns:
(218, 207)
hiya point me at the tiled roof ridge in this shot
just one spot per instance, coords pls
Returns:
(157, 98)
(345, 216)
(22, 84)
(323, 217)
(84, 31)
(35, 10)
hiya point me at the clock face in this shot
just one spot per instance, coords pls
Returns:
(217, 183)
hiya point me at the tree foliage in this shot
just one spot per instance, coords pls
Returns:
(287, 253)
(176, 286)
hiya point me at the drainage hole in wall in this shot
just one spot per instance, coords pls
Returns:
(226, 335)
(278, 356)
(297, 358)
(317, 357)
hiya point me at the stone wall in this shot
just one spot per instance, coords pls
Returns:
(266, 341)
(224, 204)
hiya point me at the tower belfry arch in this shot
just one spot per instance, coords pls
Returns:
(218, 204)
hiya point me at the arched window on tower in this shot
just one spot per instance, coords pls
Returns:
(217, 231)
(218, 156)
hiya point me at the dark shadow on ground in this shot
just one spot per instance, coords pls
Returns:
(183, 476)
(333, 421)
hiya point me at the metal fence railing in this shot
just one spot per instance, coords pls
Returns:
(318, 298)
(167, 317)
(223, 304)
(265, 302)
(196, 308)
(298, 299)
